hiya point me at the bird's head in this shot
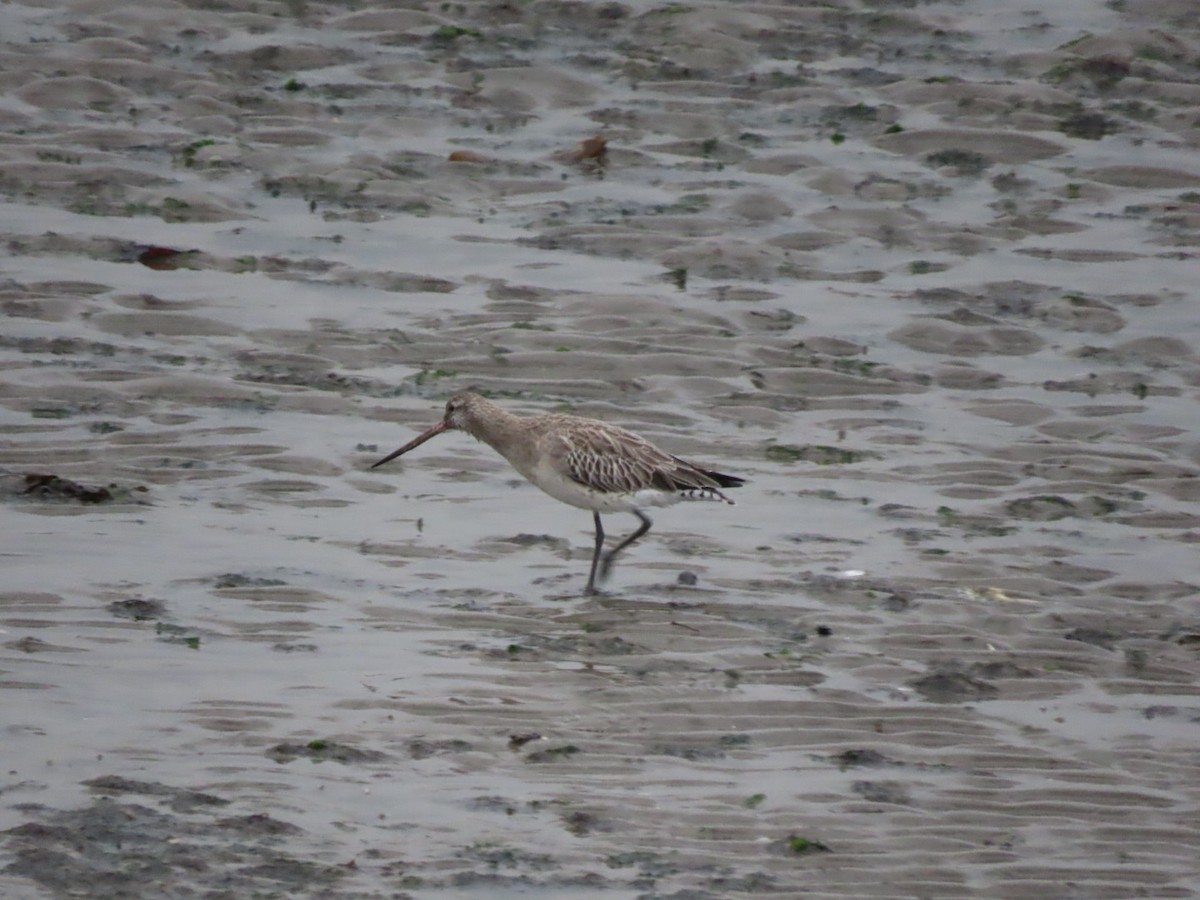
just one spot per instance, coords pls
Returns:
(462, 414)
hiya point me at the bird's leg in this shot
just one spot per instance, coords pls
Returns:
(606, 563)
(591, 585)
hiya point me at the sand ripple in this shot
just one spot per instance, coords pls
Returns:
(924, 275)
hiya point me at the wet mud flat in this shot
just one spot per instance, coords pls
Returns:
(924, 274)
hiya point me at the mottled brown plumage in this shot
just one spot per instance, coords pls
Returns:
(582, 462)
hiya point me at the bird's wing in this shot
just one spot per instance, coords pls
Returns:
(612, 460)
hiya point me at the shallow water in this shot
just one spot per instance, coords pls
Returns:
(924, 276)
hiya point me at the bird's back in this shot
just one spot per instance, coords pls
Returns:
(611, 460)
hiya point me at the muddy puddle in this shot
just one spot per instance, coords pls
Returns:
(924, 274)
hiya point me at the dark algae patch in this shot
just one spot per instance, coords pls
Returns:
(818, 454)
(321, 750)
(949, 685)
(137, 608)
(799, 845)
(170, 837)
(50, 487)
(554, 754)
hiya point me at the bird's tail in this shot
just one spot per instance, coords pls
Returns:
(719, 479)
(724, 480)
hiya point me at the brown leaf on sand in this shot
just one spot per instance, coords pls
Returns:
(162, 259)
(593, 148)
(469, 156)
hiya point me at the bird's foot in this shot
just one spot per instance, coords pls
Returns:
(592, 591)
(604, 567)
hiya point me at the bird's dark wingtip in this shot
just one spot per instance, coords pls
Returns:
(726, 481)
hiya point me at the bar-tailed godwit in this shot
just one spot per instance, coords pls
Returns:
(584, 462)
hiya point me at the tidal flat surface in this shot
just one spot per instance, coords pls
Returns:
(924, 274)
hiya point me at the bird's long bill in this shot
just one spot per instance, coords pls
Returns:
(415, 442)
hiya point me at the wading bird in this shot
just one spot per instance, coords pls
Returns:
(583, 462)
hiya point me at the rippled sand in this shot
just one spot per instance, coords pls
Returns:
(924, 274)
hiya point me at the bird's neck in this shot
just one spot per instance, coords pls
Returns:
(498, 428)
